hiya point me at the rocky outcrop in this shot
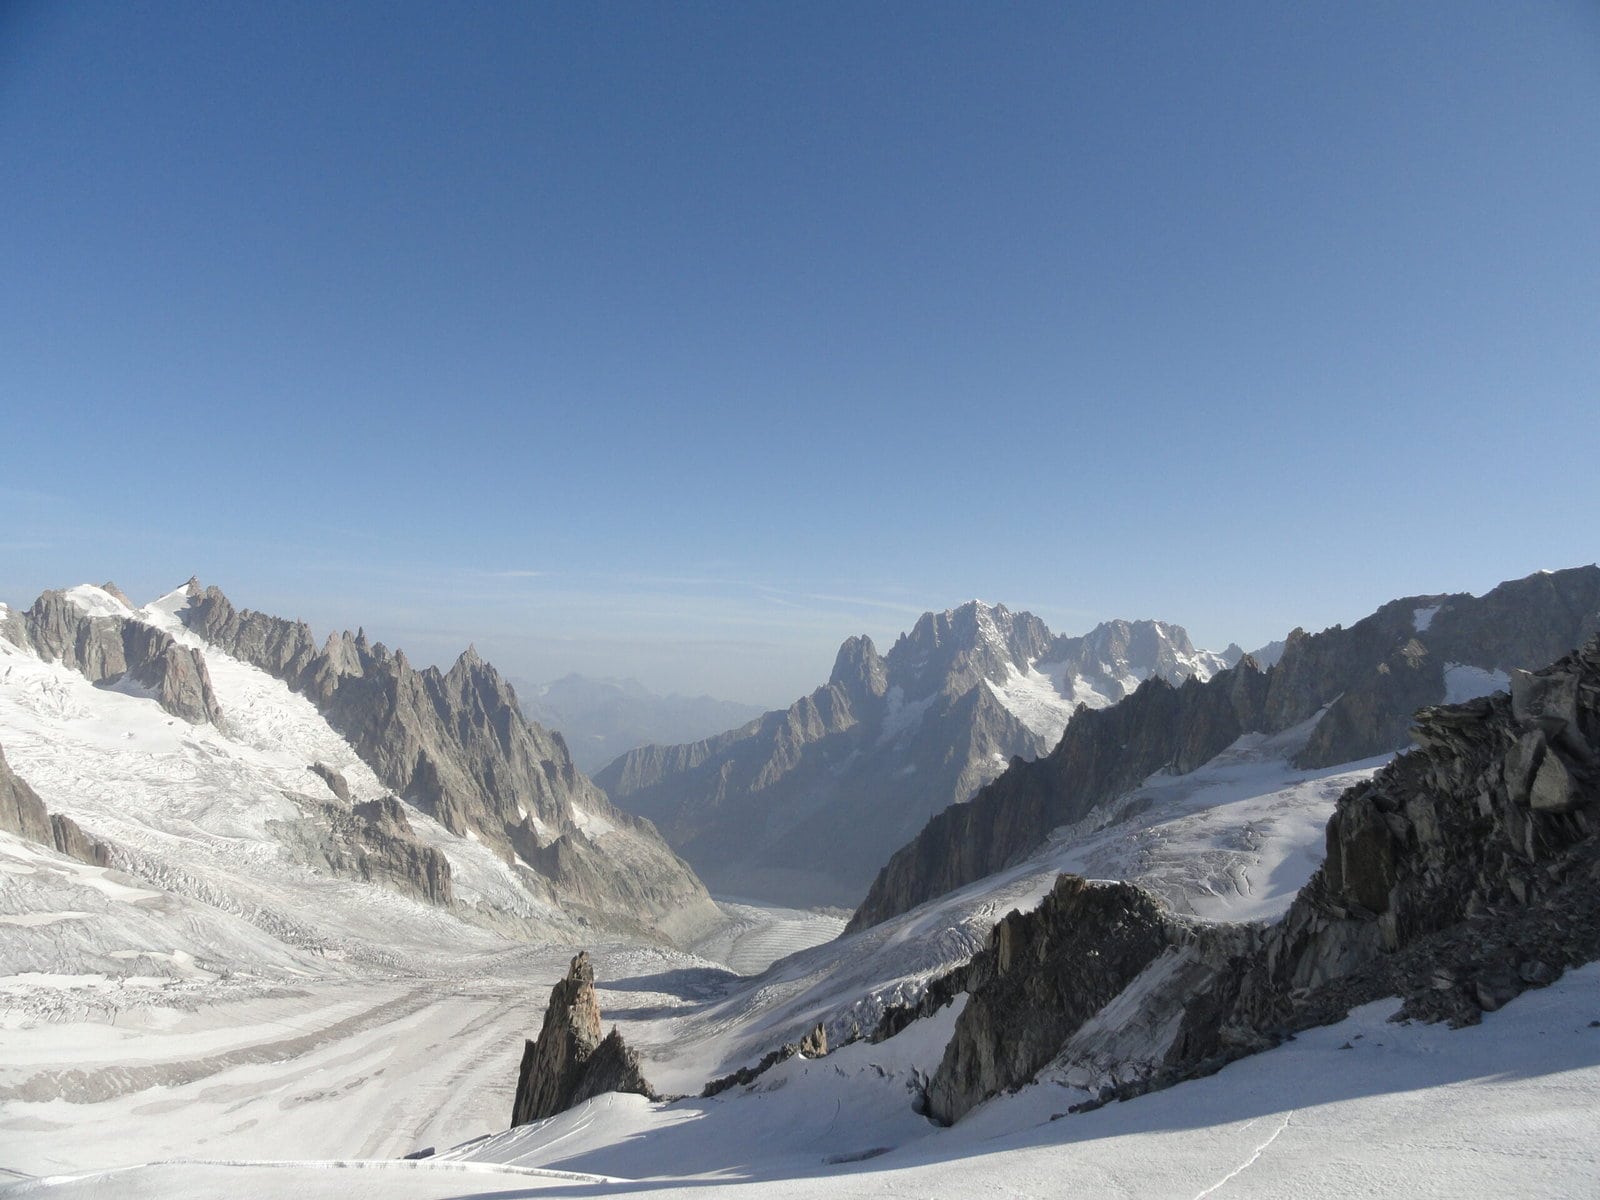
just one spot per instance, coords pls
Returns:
(372, 841)
(1042, 975)
(1458, 876)
(571, 1062)
(337, 784)
(889, 741)
(113, 650)
(1370, 678)
(455, 745)
(22, 812)
(813, 1045)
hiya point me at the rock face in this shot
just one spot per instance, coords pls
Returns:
(1451, 880)
(1371, 677)
(890, 740)
(111, 649)
(570, 1062)
(21, 810)
(455, 745)
(1040, 978)
(23, 813)
(373, 842)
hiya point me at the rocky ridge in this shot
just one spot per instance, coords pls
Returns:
(887, 742)
(23, 813)
(571, 1062)
(1461, 874)
(455, 745)
(110, 649)
(1370, 678)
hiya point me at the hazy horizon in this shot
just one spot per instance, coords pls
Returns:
(683, 342)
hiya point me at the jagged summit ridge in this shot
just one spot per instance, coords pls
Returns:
(1370, 678)
(456, 745)
(887, 741)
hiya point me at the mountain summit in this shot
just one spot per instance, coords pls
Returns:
(888, 741)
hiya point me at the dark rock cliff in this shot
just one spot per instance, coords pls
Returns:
(1461, 874)
(571, 1062)
(1370, 677)
(117, 651)
(22, 812)
(1102, 753)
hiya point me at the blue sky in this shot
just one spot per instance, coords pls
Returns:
(683, 341)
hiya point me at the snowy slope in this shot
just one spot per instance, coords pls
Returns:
(1044, 695)
(1507, 1108)
(325, 1064)
(192, 808)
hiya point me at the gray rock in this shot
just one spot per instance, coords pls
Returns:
(1423, 895)
(1371, 678)
(111, 650)
(570, 1062)
(337, 784)
(21, 810)
(456, 745)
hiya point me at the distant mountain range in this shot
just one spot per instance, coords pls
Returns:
(802, 805)
(1363, 685)
(602, 718)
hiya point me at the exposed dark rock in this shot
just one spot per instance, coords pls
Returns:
(1444, 885)
(372, 842)
(337, 784)
(1102, 754)
(1371, 677)
(114, 650)
(570, 1062)
(455, 745)
(21, 810)
(1042, 975)
(813, 1045)
(72, 841)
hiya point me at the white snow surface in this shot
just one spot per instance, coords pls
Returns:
(1422, 618)
(1463, 682)
(233, 1025)
(1365, 1107)
(1045, 695)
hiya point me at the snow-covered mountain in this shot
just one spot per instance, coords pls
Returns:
(335, 799)
(1369, 678)
(361, 1067)
(603, 718)
(888, 741)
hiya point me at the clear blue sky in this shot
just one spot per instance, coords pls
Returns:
(685, 340)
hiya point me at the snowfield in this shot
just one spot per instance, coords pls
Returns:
(224, 1021)
(1365, 1107)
